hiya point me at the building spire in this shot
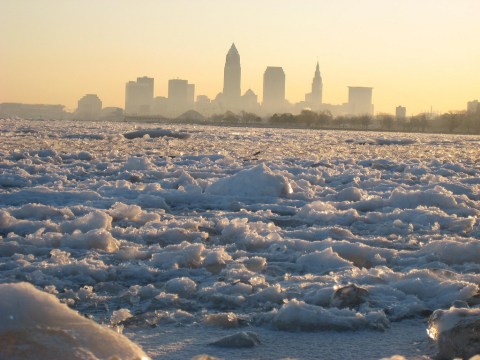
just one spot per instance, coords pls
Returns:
(233, 49)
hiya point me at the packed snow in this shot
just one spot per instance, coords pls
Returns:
(35, 325)
(187, 235)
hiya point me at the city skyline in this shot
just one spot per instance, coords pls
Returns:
(416, 54)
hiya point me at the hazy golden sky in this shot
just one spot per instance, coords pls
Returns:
(417, 53)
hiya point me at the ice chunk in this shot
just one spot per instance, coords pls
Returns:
(94, 220)
(226, 320)
(350, 296)
(93, 239)
(183, 286)
(119, 316)
(155, 133)
(35, 325)
(137, 163)
(456, 331)
(257, 181)
(320, 262)
(297, 315)
(244, 339)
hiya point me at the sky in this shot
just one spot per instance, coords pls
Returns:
(422, 54)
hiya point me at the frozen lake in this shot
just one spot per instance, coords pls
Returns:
(326, 244)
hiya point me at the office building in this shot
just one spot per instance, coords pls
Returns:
(231, 80)
(360, 100)
(473, 106)
(314, 99)
(181, 96)
(139, 96)
(400, 112)
(89, 108)
(273, 90)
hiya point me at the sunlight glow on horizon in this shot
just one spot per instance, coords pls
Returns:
(416, 54)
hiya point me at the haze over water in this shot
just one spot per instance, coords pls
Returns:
(419, 54)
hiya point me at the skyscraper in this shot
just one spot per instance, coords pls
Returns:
(180, 96)
(139, 96)
(360, 100)
(314, 99)
(273, 89)
(231, 79)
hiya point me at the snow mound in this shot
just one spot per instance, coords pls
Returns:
(35, 325)
(257, 181)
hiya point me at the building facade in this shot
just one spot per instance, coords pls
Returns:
(400, 112)
(273, 90)
(232, 80)
(139, 96)
(89, 108)
(181, 96)
(315, 98)
(360, 100)
(473, 106)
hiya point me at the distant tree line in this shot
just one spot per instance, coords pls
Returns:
(451, 122)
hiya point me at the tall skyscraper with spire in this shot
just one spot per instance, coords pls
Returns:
(314, 99)
(231, 79)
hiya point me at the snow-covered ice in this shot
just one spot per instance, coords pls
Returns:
(183, 235)
(35, 325)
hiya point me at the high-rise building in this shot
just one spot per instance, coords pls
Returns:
(360, 100)
(473, 106)
(181, 96)
(231, 80)
(250, 101)
(273, 89)
(400, 112)
(89, 107)
(314, 99)
(139, 96)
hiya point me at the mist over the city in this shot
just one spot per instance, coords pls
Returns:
(239, 180)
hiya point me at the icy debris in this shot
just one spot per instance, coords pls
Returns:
(35, 325)
(137, 163)
(225, 320)
(209, 357)
(94, 239)
(244, 339)
(456, 331)
(183, 286)
(321, 262)
(131, 213)
(257, 181)
(350, 296)
(155, 133)
(454, 250)
(92, 221)
(395, 141)
(41, 212)
(297, 315)
(181, 255)
(351, 194)
(119, 316)
(323, 213)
